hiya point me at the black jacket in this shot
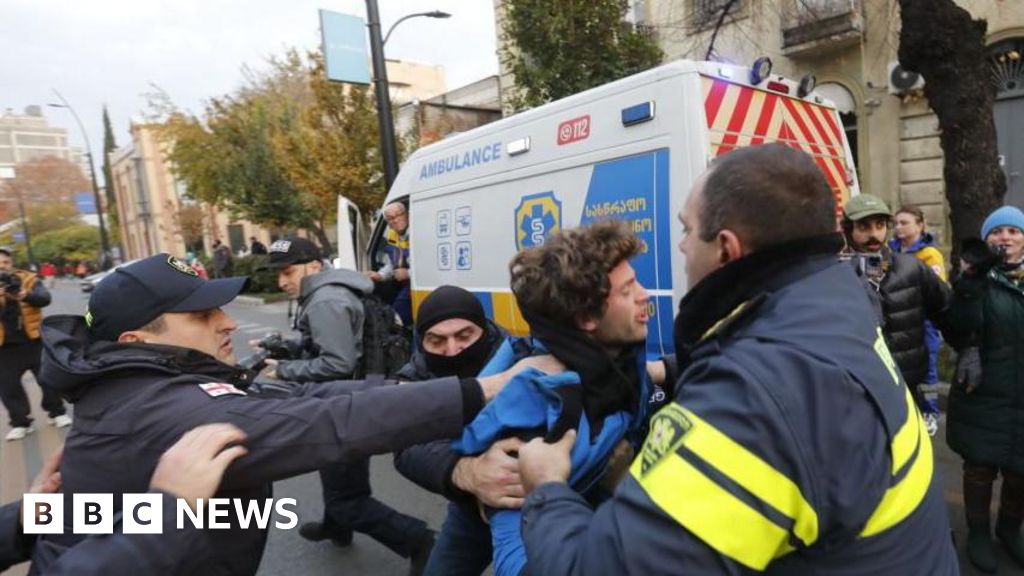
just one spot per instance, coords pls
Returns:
(132, 402)
(430, 465)
(910, 293)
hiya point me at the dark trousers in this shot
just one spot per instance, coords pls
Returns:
(978, 480)
(349, 506)
(463, 547)
(15, 360)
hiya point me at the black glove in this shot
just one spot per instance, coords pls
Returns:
(979, 256)
(968, 369)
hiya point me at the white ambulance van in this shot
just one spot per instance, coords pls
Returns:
(628, 150)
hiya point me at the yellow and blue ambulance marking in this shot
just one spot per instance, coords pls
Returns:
(634, 189)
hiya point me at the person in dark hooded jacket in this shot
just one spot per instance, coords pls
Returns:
(455, 338)
(330, 322)
(152, 358)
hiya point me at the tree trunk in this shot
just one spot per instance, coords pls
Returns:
(321, 235)
(946, 46)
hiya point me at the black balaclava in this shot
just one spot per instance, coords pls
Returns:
(445, 303)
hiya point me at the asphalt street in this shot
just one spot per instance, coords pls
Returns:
(287, 554)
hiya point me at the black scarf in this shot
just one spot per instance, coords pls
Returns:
(748, 279)
(467, 363)
(609, 384)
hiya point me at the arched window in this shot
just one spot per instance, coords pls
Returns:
(1006, 63)
(847, 108)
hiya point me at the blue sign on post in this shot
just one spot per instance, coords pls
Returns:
(85, 202)
(19, 237)
(344, 47)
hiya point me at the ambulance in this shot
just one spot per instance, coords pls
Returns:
(628, 150)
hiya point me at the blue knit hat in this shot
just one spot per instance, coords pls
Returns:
(1005, 216)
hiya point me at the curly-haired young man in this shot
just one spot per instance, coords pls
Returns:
(585, 306)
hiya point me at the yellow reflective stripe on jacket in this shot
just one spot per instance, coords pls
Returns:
(711, 513)
(906, 439)
(902, 499)
(715, 515)
(753, 474)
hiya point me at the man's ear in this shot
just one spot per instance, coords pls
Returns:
(133, 336)
(587, 325)
(730, 246)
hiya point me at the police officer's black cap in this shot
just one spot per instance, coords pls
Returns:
(292, 250)
(135, 295)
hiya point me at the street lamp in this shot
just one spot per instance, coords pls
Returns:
(104, 242)
(389, 151)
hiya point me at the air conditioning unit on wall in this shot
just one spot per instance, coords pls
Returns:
(903, 81)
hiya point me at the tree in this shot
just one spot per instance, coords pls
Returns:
(559, 48)
(946, 46)
(47, 179)
(280, 149)
(113, 221)
(69, 244)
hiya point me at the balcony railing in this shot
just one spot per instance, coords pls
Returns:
(820, 24)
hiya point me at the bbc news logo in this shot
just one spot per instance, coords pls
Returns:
(144, 513)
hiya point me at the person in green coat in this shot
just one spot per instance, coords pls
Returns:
(985, 323)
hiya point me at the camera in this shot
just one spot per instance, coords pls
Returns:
(273, 345)
(10, 283)
(981, 256)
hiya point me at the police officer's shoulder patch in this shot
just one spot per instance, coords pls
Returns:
(668, 427)
(215, 389)
(181, 266)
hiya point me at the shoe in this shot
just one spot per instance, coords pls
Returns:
(419, 557)
(62, 421)
(315, 532)
(1012, 540)
(981, 551)
(931, 423)
(19, 432)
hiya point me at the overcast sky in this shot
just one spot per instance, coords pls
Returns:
(111, 51)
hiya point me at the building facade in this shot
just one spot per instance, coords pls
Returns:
(28, 135)
(850, 46)
(462, 109)
(154, 211)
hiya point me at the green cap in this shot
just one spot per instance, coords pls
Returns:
(864, 205)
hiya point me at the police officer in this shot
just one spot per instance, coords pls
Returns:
(190, 469)
(22, 298)
(792, 445)
(153, 358)
(330, 321)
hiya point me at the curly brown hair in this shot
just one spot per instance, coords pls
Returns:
(566, 279)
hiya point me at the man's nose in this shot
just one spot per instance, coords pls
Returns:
(451, 347)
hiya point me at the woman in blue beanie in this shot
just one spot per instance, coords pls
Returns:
(985, 323)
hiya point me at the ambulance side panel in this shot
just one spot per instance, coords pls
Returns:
(466, 233)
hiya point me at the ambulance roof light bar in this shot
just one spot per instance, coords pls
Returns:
(807, 85)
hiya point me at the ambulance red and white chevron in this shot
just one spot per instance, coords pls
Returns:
(739, 115)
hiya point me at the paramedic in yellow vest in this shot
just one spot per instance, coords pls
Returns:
(21, 302)
(393, 277)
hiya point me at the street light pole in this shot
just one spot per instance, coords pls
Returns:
(389, 150)
(104, 241)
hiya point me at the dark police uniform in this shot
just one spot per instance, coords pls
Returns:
(133, 401)
(792, 447)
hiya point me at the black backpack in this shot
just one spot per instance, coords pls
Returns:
(386, 343)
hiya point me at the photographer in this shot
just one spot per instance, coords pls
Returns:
(909, 292)
(23, 297)
(986, 402)
(331, 321)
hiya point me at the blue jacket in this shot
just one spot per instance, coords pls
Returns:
(792, 447)
(530, 401)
